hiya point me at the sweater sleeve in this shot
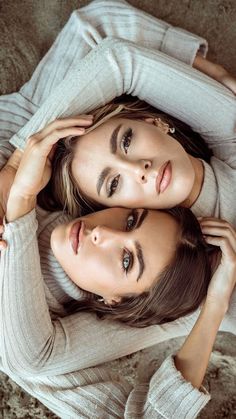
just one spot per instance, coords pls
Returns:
(116, 67)
(97, 393)
(89, 25)
(85, 29)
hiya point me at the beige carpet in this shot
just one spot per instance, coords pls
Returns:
(27, 29)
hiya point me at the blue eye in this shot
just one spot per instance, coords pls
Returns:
(131, 220)
(126, 140)
(127, 260)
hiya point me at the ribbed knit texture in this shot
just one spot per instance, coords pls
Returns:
(37, 348)
(115, 67)
(41, 348)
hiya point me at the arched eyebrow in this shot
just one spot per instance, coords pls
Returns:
(113, 149)
(138, 247)
(139, 253)
(113, 139)
(104, 173)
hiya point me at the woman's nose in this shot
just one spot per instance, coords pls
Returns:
(141, 170)
(102, 235)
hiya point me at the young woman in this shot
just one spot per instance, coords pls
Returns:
(48, 75)
(42, 357)
(148, 159)
(116, 67)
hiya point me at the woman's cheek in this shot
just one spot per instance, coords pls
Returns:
(133, 195)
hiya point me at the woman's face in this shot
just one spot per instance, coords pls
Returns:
(117, 251)
(132, 163)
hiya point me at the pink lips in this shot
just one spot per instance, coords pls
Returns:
(164, 177)
(75, 235)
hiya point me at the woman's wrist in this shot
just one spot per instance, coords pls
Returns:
(215, 308)
(18, 204)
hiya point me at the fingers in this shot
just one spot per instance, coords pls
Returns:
(80, 121)
(228, 251)
(220, 233)
(56, 130)
(44, 145)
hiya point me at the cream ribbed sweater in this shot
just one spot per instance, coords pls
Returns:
(115, 67)
(37, 343)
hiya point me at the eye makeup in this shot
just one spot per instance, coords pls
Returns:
(127, 260)
(126, 140)
(124, 146)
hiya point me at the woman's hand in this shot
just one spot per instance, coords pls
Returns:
(192, 359)
(35, 167)
(221, 233)
(216, 71)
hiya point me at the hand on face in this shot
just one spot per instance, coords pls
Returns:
(35, 168)
(221, 233)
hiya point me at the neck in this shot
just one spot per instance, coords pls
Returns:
(198, 181)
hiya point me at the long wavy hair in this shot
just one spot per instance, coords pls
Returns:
(62, 191)
(178, 290)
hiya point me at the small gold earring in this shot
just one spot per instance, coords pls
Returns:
(101, 300)
(159, 123)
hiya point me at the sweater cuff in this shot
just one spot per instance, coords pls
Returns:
(183, 45)
(168, 384)
(25, 227)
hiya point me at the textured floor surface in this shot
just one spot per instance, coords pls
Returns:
(28, 27)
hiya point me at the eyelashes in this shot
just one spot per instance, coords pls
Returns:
(127, 260)
(126, 140)
(127, 256)
(113, 186)
(131, 221)
(124, 145)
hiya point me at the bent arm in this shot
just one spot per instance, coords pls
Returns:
(116, 67)
(85, 29)
(97, 393)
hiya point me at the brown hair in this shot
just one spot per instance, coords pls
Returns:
(178, 291)
(62, 192)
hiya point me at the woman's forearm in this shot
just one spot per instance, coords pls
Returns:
(193, 357)
(116, 67)
(86, 28)
(18, 205)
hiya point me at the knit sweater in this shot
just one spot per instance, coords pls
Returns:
(37, 341)
(115, 67)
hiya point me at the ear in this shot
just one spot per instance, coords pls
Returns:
(112, 301)
(163, 126)
(150, 120)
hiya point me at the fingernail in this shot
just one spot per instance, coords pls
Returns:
(90, 116)
(81, 129)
